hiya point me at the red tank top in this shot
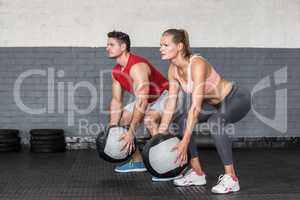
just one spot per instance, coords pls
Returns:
(158, 83)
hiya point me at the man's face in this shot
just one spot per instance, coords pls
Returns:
(114, 48)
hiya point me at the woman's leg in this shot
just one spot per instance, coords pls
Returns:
(180, 121)
(194, 176)
(222, 141)
(194, 158)
(233, 108)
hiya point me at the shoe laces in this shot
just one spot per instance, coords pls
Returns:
(223, 179)
(130, 162)
(189, 171)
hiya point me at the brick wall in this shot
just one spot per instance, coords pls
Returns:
(71, 66)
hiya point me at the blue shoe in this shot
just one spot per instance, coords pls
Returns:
(131, 167)
(156, 179)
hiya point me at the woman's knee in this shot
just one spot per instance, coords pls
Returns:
(217, 125)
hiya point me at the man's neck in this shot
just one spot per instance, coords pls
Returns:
(123, 59)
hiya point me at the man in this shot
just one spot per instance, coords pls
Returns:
(139, 77)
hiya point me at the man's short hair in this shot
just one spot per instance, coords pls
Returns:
(122, 37)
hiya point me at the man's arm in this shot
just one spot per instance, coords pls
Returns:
(140, 74)
(116, 103)
(170, 106)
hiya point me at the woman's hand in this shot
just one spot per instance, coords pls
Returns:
(181, 148)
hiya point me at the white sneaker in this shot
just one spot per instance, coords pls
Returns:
(226, 184)
(156, 179)
(190, 178)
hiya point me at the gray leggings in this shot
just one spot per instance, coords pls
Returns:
(232, 109)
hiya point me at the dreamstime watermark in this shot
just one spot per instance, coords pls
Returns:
(57, 90)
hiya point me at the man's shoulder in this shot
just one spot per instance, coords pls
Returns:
(138, 58)
(116, 67)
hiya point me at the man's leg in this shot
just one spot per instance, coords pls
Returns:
(125, 120)
(154, 114)
(152, 120)
(136, 163)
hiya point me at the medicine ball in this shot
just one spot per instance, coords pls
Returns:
(159, 158)
(109, 147)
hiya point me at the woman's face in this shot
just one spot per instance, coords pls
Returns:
(168, 49)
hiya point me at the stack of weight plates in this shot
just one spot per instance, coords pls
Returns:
(9, 140)
(47, 140)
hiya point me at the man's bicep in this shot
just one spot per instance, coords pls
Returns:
(117, 91)
(140, 77)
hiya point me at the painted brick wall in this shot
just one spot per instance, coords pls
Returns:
(72, 65)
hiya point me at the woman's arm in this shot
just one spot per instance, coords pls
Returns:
(198, 71)
(170, 106)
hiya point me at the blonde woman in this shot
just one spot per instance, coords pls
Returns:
(202, 83)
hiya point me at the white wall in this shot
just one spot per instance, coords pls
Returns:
(211, 23)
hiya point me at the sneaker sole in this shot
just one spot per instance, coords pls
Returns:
(232, 191)
(130, 170)
(192, 184)
(165, 179)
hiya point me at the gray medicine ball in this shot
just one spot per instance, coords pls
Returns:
(108, 144)
(158, 157)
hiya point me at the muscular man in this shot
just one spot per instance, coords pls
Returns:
(136, 75)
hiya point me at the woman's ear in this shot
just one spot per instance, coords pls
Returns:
(180, 46)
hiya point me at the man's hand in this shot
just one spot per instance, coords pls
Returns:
(129, 142)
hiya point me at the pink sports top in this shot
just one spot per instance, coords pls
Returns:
(210, 82)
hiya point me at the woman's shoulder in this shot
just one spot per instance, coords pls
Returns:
(197, 59)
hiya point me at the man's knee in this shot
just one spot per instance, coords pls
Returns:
(151, 119)
(125, 118)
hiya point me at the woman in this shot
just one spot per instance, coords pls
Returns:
(199, 81)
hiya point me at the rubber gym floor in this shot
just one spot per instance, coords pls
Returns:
(264, 174)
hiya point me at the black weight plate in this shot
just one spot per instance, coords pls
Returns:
(42, 132)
